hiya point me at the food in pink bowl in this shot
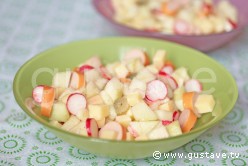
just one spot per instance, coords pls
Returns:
(181, 17)
(132, 99)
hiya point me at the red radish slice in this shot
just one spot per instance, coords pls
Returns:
(105, 73)
(176, 115)
(84, 68)
(187, 120)
(193, 86)
(169, 80)
(38, 93)
(115, 126)
(76, 102)
(91, 127)
(182, 27)
(148, 101)
(167, 69)
(137, 53)
(233, 24)
(166, 122)
(156, 90)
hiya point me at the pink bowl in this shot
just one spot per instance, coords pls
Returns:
(200, 42)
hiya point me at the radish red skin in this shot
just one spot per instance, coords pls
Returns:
(105, 73)
(89, 127)
(84, 68)
(176, 115)
(166, 122)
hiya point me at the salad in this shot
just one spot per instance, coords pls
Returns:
(132, 99)
(181, 17)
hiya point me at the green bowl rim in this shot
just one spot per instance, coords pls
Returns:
(46, 124)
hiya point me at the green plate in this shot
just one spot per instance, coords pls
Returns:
(215, 78)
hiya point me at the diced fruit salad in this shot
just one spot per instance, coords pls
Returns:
(131, 99)
(182, 17)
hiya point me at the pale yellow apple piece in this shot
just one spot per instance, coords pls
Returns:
(142, 112)
(70, 123)
(98, 112)
(205, 103)
(174, 128)
(159, 59)
(108, 134)
(91, 89)
(59, 112)
(134, 98)
(61, 79)
(121, 71)
(124, 120)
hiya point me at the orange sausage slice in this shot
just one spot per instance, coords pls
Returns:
(47, 101)
(187, 120)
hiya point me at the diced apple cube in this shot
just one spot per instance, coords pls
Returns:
(154, 105)
(55, 123)
(142, 112)
(121, 71)
(159, 59)
(108, 134)
(124, 120)
(129, 137)
(60, 112)
(168, 106)
(70, 123)
(141, 128)
(137, 84)
(97, 99)
(158, 133)
(111, 67)
(91, 89)
(114, 88)
(100, 83)
(106, 98)
(145, 75)
(153, 69)
(112, 113)
(181, 76)
(61, 79)
(135, 65)
(79, 129)
(174, 128)
(205, 103)
(64, 96)
(98, 112)
(134, 98)
(58, 92)
(83, 115)
(101, 123)
(178, 98)
(130, 114)
(92, 75)
(164, 115)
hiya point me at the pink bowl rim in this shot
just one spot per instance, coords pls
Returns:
(158, 34)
